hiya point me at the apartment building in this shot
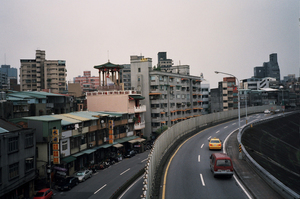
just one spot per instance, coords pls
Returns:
(17, 161)
(230, 93)
(114, 101)
(7, 75)
(125, 74)
(84, 138)
(169, 97)
(39, 74)
(87, 82)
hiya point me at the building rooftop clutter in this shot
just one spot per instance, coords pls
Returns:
(109, 73)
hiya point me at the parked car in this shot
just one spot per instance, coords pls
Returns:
(83, 175)
(267, 111)
(215, 143)
(68, 183)
(44, 194)
(130, 154)
(221, 165)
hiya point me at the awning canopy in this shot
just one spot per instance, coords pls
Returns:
(118, 145)
(137, 140)
(137, 97)
(68, 159)
(89, 151)
(154, 93)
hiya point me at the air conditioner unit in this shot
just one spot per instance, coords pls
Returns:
(90, 145)
(171, 92)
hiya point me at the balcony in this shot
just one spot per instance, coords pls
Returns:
(139, 126)
(140, 109)
(121, 122)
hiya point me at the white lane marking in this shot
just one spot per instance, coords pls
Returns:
(242, 187)
(144, 160)
(100, 188)
(202, 146)
(124, 172)
(224, 151)
(225, 127)
(209, 137)
(130, 187)
(202, 180)
(198, 158)
(233, 123)
(217, 131)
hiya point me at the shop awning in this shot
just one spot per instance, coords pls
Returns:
(154, 93)
(137, 140)
(118, 145)
(68, 159)
(89, 151)
(78, 154)
(125, 139)
(105, 146)
(137, 97)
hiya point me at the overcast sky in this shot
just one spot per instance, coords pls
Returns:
(232, 36)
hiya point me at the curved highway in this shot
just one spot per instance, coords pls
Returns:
(188, 174)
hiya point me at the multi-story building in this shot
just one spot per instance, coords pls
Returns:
(163, 63)
(125, 74)
(11, 73)
(17, 161)
(259, 83)
(87, 82)
(269, 69)
(84, 138)
(39, 74)
(230, 93)
(205, 97)
(128, 102)
(169, 97)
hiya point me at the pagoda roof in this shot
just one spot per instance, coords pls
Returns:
(108, 65)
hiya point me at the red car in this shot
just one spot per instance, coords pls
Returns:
(44, 194)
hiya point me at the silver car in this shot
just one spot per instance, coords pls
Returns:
(83, 175)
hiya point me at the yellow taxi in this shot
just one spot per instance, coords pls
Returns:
(215, 143)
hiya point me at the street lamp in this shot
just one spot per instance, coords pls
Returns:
(282, 100)
(239, 111)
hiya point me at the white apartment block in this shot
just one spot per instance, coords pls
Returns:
(169, 97)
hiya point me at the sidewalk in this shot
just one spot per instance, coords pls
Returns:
(256, 186)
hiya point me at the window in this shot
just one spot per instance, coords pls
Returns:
(178, 96)
(13, 171)
(64, 145)
(13, 144)
(28, 140)
(139, 70)
(29, 164)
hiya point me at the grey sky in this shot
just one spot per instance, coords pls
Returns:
(232, 36)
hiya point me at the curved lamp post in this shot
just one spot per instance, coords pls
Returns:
(238, 86)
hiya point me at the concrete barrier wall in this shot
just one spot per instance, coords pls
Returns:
(283, 190)
(169, 137)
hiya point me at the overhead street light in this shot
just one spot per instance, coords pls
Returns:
(238, 87)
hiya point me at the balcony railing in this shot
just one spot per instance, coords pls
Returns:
(138, 126)
(140, 109)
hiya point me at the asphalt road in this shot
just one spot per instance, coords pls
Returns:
(189, 175)
(106, 182)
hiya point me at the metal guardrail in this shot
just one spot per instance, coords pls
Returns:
(175, 132)
(283, 190)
